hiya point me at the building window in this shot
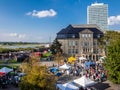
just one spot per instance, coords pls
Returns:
(86, 35)
(76, 51)
(83, 35)
(69, 43)
(69, 51)
(72, 43)
(89, 35)
(76, 43)
(85, 43)
(73, 36)
(72, 51)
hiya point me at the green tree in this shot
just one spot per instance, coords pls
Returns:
(37, 77)
(56, 47)
(108, 36)
(112, 61)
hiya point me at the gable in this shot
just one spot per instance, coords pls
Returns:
(86, 31)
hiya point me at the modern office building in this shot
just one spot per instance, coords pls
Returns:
(81, 40)
(97, 13)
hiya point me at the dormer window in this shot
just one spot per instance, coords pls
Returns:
(98, 36)
(73, 36)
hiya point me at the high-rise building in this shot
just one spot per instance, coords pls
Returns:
(97, 13)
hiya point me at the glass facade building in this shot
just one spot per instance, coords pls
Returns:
(97, 13)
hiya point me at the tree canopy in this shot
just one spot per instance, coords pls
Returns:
(112, 61)
(108, 36)
(37, 77)
(56, 47)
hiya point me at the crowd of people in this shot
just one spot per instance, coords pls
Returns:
(91, 69)
(9, 80)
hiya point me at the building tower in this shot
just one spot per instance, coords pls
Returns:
(97, 13)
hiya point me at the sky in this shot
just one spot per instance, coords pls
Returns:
(40, 20)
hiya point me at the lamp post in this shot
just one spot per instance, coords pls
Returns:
(98, 50)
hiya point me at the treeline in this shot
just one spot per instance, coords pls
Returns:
(18, 43)
(7, 50)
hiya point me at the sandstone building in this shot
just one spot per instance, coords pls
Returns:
(81, 40)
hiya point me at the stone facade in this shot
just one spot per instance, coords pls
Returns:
(86, 44)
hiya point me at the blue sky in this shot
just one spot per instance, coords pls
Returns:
(40, 20)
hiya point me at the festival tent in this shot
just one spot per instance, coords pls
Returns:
(71, 59)
(67, 86)
(88, 63)
(84, 81)
(5, 70)
(102, 58)
(54, 69)
(21, 74)
(65, 66)
(82, 58)
(58, 74)
(1, 73)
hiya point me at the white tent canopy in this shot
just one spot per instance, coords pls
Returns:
(65, 66)
(84, 81)
(5, 70)
(102, 58)
(67, 86)
(21, 74)
(82, 58)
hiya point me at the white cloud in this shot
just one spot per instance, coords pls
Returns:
(12, 37)
(17, 35)
(21, 36)
(43, 13)
(25, 37)
(13, 34)
(114, 20)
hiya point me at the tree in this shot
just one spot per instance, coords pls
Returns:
(108, 36)
(112, 61)
(37, 77)
(56, 47)
(58, 57)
